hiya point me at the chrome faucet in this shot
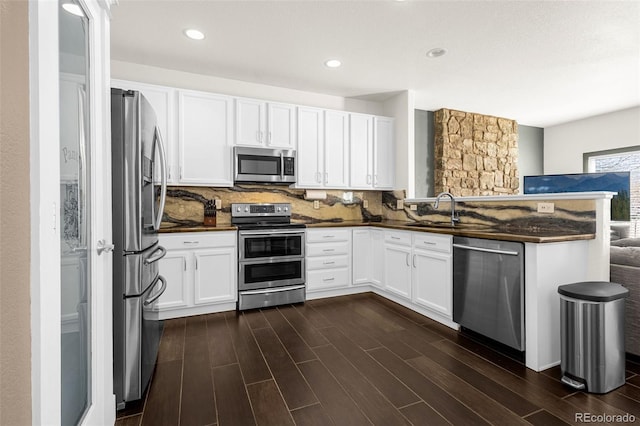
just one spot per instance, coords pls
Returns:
(454, 215)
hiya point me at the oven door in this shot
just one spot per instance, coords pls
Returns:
(254, 245)
(267, 273)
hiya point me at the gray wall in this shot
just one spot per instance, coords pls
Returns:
(424, 154)
(530, 153)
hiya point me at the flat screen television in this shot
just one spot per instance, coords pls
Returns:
(618, 182)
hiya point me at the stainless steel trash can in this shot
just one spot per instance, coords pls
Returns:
(592, 335)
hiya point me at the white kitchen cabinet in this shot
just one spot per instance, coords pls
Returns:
(201, 273)
(432, 275)
(323, 148)
(372, 152)
(336, 149)
(328, 257)
(384, 153)
(397, 263)
(174, 268)
(205, 123)
(377, 248)
(361, 151)
(163, 101)
(362, 256)
(310, 147)
(265, 124)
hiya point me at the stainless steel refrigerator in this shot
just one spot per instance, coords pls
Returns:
(138, 203)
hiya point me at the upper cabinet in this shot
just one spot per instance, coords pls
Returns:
(163, 101)
(265, 124)
(323, 148)
(205, 124)
(372, 152)
(383, 153)
(335, 149)
(310, 147)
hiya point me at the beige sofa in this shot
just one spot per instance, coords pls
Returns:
(625, 270)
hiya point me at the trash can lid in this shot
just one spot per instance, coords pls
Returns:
(594, 291)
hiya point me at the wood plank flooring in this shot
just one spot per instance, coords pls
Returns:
(352, 360)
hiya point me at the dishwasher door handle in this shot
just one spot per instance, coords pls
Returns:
(486, 250)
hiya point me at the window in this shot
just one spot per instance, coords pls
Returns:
(620, 160)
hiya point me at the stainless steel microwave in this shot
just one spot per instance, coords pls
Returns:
(263, 165)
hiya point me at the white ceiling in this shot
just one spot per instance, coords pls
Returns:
(539, 62)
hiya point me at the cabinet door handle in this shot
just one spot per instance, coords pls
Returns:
(190, 242)
(395, 238)
(169, 172)
(368, 179)
(328, 250)
(326, 177)
(414, 260)
(196, 260)
(319, 177)
(328, 236)
(328, 263)
(328, 279)
(258, 135)
(270, 136)
(430, 243)
(408, 264)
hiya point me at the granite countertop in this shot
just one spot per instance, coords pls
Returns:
(527, 235)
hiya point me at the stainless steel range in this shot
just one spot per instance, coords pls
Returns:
(271, 267)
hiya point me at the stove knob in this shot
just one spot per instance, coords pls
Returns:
(238, 209)
(286, 209)
(246, 209)
(279, 209)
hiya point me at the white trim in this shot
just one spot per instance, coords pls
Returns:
(45, 196)
(528, 197)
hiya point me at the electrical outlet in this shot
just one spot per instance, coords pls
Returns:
(400, 204)
(316, 204)
(545, 207)
(218, 204)
(365, 204)
(413, 207)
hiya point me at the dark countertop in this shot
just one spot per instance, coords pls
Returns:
(527, 235)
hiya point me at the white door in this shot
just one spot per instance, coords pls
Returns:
(336, 149)
(361, 151)
(432, 283)
(384, 153)
(282, 126)
(205, 123)
(250, 122)
(71, 215)
(310, 147)
(398, 270)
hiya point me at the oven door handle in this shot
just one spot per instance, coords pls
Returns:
(272, 290)
(271, 232)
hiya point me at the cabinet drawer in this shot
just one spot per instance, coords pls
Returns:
(194, 240)
(434, 242)
(328, 249)
(327, 278)
(328, 262)
(327, 235)
(402, 238)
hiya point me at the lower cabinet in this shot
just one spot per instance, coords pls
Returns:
(201, 273)
(328, 258)
(397, 263)
(432, 275)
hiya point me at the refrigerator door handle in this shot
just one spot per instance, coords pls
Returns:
(163, 179)
(155, 257)
(156, 296)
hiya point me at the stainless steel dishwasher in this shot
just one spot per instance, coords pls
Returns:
(488, 289)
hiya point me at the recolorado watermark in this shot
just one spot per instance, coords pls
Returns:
(604, 418)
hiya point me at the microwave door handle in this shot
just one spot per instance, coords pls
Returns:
(281, 166)
(163, 179)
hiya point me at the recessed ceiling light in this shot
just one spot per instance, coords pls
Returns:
(436, 52)
(194, 34)
(73, 9)
(333, 63)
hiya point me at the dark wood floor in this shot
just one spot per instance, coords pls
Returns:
(351, 360)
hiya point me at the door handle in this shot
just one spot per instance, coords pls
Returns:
(408, 264)
(159, 253)
(103, 247)
(414, 260)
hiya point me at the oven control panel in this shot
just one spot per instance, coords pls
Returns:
(260, 209)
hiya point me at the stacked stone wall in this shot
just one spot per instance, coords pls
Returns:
(475, 154)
